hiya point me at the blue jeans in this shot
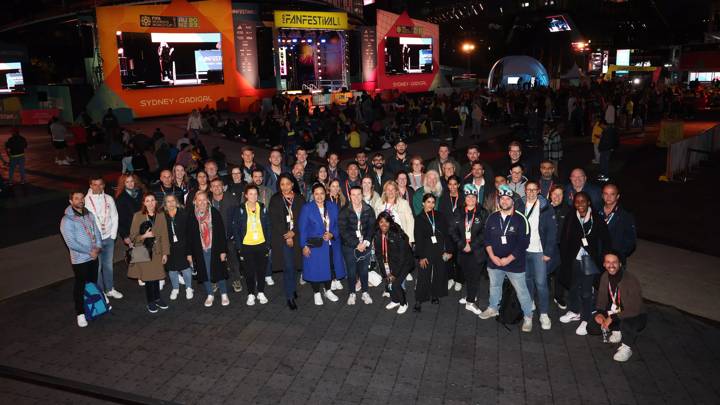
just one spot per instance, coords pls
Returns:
(518, 282)
(536, 277)
(289, 278)
(20, 163)
(268, 273)
(356, 268)
(175, 278)
(105, 270)
(222, 284)
(581, 299)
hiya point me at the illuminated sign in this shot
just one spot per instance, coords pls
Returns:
(282, 58)
(311, 19)
(163, 21)
(406, 29)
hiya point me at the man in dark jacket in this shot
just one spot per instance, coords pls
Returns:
(15, 147)
(609, 141)
(227, 206)
(506, 241)
(399, 161)
(356, 222)
(620, 223)
(379, 173)
(578, 183)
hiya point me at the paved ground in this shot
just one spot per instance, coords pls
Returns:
(341, 354)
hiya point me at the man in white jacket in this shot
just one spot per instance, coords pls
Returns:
(103, 209)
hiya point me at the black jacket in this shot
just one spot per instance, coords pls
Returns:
(378, 184)
(127, 206)
(218, 269)
(348, 223)
(177, 260)
(277, 211)
(400, 255)
(424, 248)
(446, 207)
(621, 227)
(571, 241)
(239, 225)
(477, 240)
(227, 207)
(394, 165)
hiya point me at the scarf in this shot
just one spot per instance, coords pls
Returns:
(133, 192)
(205, 222)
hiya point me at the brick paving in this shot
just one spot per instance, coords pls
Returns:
(340, 354)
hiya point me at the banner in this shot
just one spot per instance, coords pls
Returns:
(245, 20)
(311, 20)
(368, 46)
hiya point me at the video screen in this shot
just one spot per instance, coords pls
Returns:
(11, 78)
(156, 59)
(406, 55)
(558, 23)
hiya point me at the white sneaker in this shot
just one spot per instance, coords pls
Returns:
(331, 296)
(181, 280)
(209, 300)
(189, 293)
(545, 323)
(462, 301)
(570, 316)
(402, 309)
(527, 324)
(451, 283)
(224, 300)
(615, 337)
(302, 281)
(173, 294)
(358, 286)
(366, 298)
(533, 305)
(489, 313)
(409, 277)
(318, 298)
(162, 284)
(262, 298)
(114, 294)
(336, 285)
(351, 299)
(250, 300)
(392, 305)
(385, 294)
(141, 283)
(269, 281)
(81, 321)
(470, 306)
(458, 286)
(581, 329)
(623, 353)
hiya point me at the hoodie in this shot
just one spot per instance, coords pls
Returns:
(80, 233)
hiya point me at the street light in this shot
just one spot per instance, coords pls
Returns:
(468, 48)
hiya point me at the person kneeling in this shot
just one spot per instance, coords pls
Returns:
(620, 310)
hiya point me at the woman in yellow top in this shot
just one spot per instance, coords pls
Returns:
(251, 227)
(596, 133)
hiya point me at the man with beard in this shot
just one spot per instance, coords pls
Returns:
(378, 173)
(399, 161)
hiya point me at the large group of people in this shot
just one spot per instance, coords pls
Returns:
(397, 222)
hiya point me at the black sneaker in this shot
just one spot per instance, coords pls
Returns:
(152, 307)
(161, 304)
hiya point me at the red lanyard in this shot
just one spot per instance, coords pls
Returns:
(385, 248)
(552, 183)
(454, 203)
(614, 297)
(107, 209)
(347, 188)
(288, 205)
(88, 231)
(468, 225)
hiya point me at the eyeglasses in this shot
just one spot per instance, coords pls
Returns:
(534, 190)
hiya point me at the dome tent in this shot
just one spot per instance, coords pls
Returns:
(517, 70)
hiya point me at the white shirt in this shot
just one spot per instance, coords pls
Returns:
(534, 221)
(106, 216)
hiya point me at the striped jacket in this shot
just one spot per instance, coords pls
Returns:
(81, 234)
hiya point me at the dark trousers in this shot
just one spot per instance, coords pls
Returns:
(254, 259)
(356, 266)
(455, 272)
(581, 298)
(397, 292)
(152, 291)
(82, 152)
(289, 272)
(318, 286)
(454, 132)
(630, 328)
(558, 288)
(84, 273)
(472, 270)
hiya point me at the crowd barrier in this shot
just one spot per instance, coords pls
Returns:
(686, 154)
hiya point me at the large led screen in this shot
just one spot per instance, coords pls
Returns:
(405, 55)
(158, 59)
(11, 78)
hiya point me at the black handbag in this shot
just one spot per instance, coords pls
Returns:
(314, 242)
(588, 266)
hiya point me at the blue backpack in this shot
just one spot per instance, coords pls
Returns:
(94, 302)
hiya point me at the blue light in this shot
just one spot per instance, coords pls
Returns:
(309, 41)
(323, 40)
(294, 40)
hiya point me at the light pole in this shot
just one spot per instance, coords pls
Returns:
(468, 48)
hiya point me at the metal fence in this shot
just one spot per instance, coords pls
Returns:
(686, 154)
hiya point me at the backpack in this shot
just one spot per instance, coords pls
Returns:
(94, 303)
(509, 309)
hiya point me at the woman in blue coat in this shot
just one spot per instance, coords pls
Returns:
(320, 241)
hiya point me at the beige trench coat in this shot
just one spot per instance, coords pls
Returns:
(152, 270)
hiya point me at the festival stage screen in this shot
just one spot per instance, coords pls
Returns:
(557, 23)
(406, 55)
(157, 59)
(11, 78)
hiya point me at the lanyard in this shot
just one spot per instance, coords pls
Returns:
(172, 226)
(614, 297)
(88, 231)
(552, 183)
(326, 219)
(172, 190)
(385, 248)
(454, 203)
(288, 205)
(531, 210)
(468, 225)
(582, 226)
(359, 216)
(107, 210)
(388, 208)
(347, 188)
(254, 215)
(432, 221)
(611, 215)
(508, 223)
